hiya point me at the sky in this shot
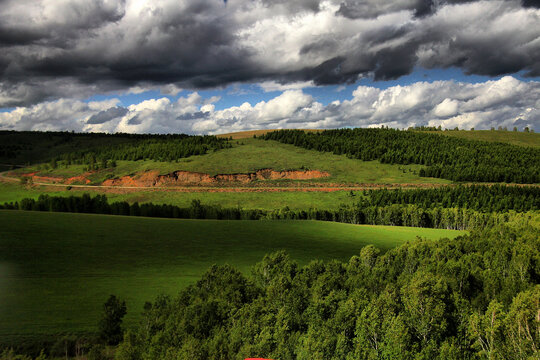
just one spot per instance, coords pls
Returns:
(214, 66)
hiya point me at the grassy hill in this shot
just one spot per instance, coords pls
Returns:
(246, 155)
(510, 137)
(249, 155)
(57, 269)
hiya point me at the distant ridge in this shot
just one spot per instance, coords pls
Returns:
(250, 133)
(519, 138)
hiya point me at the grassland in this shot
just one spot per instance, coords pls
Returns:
(11, 192)
(57, 269)
(247, 200)
(249, 155)
(510, 137)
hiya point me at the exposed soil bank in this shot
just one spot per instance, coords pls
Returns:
(152, 178)
(80, 179)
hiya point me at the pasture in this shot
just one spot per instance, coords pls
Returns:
(249, 155)
(57, 269)
(297, 200)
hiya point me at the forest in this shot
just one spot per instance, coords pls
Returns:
(477, 197)
(94, 149)
(460, 208)
(166, 148)
(474, 297)
(444, 157)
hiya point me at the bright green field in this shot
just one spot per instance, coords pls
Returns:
(249, 155)
(251, 200)
(57, 269)
(511, 137)
(10, 192)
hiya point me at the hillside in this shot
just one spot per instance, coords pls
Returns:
(443, 157)
(248, 156)
(59, 260)
(77, 260)
(509, 137)
(334, 176)
(520, 138)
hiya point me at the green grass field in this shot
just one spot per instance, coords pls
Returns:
(249, 155)
(11, 192)
(511, 137)
(57, 269)
(248, 200)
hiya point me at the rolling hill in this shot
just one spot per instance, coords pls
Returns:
(57, 269)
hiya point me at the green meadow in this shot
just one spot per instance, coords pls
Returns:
(246, 155)
(249, 155)
(57, 269)
(11, 192)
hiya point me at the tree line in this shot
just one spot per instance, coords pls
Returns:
(168, 148)
(362, 213)
(97, 149)
(472, 297)
(444, 156)
(495, 198)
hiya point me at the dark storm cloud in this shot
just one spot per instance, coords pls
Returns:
(330, 72)
(531, 3)
(298, 5)
(194, 116)
(357, 9)
(136, 120)
(365, 9)
(388, 68)
(107, 115)
(14, 36)
(180, 48)
(69, 21)
(75, 48)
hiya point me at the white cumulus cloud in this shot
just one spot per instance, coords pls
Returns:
(504, 102)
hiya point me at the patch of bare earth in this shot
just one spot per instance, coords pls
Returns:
(183, 178)
(81, 179)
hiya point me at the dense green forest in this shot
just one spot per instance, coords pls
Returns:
(476, 197)
(474, 297)
(99, 149)
(445, 157)
(166, 148)
(461, 207)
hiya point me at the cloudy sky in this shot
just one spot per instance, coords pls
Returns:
(214, 66)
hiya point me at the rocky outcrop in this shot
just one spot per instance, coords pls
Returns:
(194, 178)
